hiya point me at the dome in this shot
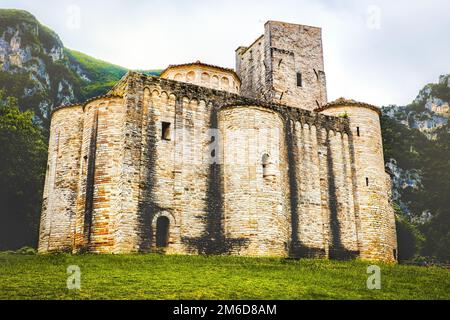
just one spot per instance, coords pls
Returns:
(204, 75)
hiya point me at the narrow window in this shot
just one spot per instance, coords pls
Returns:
(394, 252)
(367, 182)
(265, 164)
(299, 80)
(357, 131)
(165, 131)
(162, 232)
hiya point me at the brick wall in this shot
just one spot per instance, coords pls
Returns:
(375, 216)
(61, 182)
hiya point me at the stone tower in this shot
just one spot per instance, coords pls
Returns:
(284, 65)
(375, 216)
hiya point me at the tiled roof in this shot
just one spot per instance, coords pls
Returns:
(199, 63)
(348, 102)
(83, 104)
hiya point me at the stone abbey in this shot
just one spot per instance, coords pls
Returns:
(209, 160)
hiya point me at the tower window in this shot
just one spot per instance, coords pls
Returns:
(357, 131)
(299, 80)
(367, 182)
(266, 165)
(165, 131)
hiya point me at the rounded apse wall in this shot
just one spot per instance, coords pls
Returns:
(205, 76)
(61, 182)
(376, 219)
(254, 180)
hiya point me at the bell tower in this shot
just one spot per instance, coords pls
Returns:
(284, 65)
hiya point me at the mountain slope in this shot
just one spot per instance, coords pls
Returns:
(36, 68)
(33, 66)
(97, 76)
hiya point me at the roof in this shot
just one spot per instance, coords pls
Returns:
(246, 48)
(292, 24)
(348, 102)
(199, 63)
(83, 104)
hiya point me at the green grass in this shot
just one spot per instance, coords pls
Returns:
(198, 277)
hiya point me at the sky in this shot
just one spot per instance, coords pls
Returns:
(377, 51)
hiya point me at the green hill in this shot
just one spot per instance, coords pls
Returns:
(99, 75)
(102, 75)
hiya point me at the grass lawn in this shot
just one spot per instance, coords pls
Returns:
(197, 277)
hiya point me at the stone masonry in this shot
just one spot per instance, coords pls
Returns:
(206, 160)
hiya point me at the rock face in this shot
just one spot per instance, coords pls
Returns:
(159, 165)
(429, 112)
(37, 69)
(30, 57)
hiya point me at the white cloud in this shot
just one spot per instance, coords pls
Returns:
(381, 65)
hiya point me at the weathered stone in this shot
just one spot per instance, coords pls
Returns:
(229, 173)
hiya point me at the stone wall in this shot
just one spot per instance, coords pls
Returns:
(99, 171)
(61, 182)
(255, 180)
(268, 68)
(231, 174)
(375, 216)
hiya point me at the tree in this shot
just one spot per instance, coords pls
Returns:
(409, 238)
(23, 157)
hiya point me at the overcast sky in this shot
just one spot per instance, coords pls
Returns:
(377, 51)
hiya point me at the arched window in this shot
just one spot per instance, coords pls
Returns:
(215, 81)
(190, 77)
(205, 78)
(266, 164)
(162, 232)
(178, 77)
(225, 83)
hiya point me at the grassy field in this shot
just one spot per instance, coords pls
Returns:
(197, 277)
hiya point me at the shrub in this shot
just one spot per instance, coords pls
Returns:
(409, 238)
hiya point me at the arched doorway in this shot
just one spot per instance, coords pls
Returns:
(162, 232)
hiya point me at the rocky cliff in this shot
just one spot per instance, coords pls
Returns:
(417, 154)
(41, 73)
(429, 112)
